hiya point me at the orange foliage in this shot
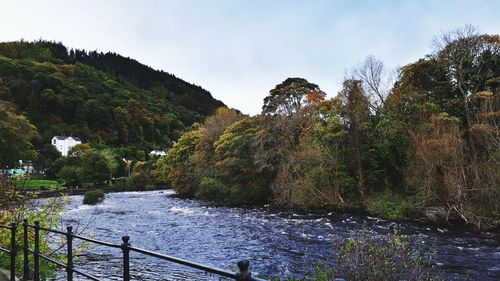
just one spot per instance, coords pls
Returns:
(315, 97)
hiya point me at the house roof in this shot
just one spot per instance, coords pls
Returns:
(65, 137)
(16, 171)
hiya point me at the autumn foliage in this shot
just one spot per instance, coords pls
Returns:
(426, 144)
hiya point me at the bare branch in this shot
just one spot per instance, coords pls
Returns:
(377, 81)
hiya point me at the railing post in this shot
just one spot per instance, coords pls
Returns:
(69, 264)
(36, 252)
(244, 274)
(13, 251)
(26, 262)
(126, 260)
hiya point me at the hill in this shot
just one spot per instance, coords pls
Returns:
(105, 99)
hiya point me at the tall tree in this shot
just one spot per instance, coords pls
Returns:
(470, 60)
(16, 135)
(288, 110)
(288, 97)
(179, 165)
(376, 80)
(284, 119)
(210, 131)
(355, 112)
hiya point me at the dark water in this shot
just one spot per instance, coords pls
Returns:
(278, 244)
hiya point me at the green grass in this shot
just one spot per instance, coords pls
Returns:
(37, 184)
(393, 206)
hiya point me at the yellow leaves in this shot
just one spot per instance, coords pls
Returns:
(67, 69)
(484, 95)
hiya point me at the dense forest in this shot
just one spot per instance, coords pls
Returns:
(422, 143)
(107, 100)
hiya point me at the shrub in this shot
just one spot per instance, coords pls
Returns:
(93, 197)
(137, 181)
(12, 208)
(367, 256)
(393, 207)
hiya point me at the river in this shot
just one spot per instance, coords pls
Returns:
(277, 243)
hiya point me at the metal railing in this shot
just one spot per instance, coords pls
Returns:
(13, 249)
(244, 273)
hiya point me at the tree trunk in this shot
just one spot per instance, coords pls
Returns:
(470, 140)
(359, 164)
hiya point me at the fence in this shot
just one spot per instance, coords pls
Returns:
(244, 273)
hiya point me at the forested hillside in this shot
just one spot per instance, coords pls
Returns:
(105, 99)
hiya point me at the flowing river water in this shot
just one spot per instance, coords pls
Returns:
(277, 243)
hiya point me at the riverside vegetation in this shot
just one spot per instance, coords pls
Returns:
(93, 197)
(17, 207)
(423, 144)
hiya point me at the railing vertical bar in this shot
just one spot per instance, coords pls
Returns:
(26, 266)
(69, 264)
(36, 252)
(13, 251)
(126, 258)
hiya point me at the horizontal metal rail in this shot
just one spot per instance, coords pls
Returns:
(63, 265)
(47, 258)
(243, 265)
(48, 230)
(103, 243)
(196, 265)
(4, 250)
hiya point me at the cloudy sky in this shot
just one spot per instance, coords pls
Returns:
(239, 50)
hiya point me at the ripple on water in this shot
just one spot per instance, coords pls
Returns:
(275, 241)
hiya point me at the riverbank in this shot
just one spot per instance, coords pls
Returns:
(81, 191)
(418, 217)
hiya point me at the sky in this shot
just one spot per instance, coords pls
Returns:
(240, 49)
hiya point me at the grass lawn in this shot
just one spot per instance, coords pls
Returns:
(37, 184)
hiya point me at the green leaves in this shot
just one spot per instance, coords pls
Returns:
(104, 99)
(85, 164)
(289, 96)
(16, 134)
(368, 256)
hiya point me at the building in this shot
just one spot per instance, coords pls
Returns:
(11, 172)
(157, 153)
(64, 144)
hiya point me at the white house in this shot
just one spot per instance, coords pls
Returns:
(158, 153)
(64, 144)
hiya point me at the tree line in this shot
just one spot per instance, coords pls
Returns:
(105, 99)
(422, 142)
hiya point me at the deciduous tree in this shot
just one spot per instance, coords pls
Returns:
(16, 135)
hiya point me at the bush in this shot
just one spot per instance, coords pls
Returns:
(93, 197)
(12, 208)
(392, 206)
(137, 181)
(367, 256)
